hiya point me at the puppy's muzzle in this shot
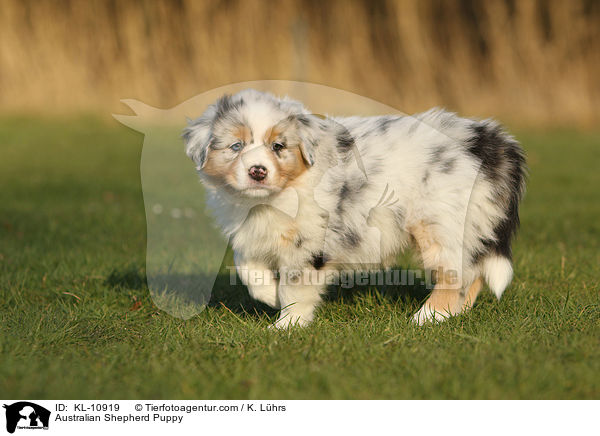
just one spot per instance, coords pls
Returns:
(257, 172)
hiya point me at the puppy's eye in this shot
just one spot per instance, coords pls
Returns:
(236, 146)
(276, 146)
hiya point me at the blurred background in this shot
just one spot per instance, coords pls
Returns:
(526, 62)
(77, 320)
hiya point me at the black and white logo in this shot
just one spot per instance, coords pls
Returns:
(26, 415)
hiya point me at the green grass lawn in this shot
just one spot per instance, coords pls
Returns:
(76, 319)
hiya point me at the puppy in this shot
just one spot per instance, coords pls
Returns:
(301, 195)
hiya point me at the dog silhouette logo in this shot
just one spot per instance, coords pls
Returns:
(185, 253)
(26, 415)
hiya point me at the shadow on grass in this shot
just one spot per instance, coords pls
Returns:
(128, 278)
(410, 294)
(233, 295)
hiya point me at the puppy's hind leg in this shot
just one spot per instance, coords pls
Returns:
(472, 293)
(448, 300)
(447, 297)
(445, 300)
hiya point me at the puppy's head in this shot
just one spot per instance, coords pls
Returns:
(253, 144)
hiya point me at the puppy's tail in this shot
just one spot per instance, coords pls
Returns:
(503, 164)
(498, 272)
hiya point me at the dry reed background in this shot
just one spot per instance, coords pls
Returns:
(522, 61)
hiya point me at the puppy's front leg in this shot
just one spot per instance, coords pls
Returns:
(259, 279)
(299, 299)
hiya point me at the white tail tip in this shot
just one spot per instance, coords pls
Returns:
(498, 273)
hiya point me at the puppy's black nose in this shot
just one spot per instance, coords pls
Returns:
(257, 172)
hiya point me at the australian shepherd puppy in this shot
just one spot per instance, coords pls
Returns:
(300, 195)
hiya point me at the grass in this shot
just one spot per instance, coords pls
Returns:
(76, 320)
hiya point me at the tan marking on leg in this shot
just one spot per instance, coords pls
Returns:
(447, 298)
(426, 243)
(444, 299)
(472, 294)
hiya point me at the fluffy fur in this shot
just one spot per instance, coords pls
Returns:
(352, 193)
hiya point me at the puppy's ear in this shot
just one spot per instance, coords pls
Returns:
(197, 137)
(198, 134)
(311, 129)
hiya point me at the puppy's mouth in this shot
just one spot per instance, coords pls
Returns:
(257, 190)
(248, 190)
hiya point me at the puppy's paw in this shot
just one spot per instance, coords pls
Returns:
(426, 314)
(285, 323)
(289, 319)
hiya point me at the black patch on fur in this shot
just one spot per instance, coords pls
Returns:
(202, 155)
(345, 141)
(425, 178)
(348, 193)
(318, 260)
(437, 154)
(226, 104)
(384, 124)
(448, 165)
(504, 232)
(303, 119)
(298, 241)
(351, 238)
(348, 237)
(502, 161)
(345, 191)
(487, 145)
